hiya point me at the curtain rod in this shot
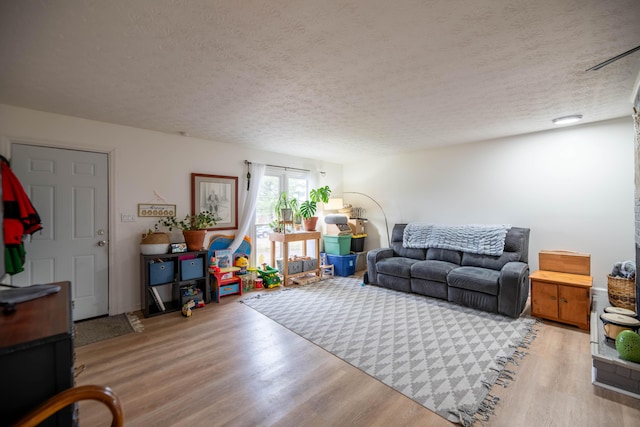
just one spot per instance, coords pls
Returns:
(286, 168)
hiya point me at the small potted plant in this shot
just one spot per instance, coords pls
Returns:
(308, 207)
(283, 209)
(295, 208)
(193, 226)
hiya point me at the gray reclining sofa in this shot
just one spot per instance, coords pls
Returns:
(497, 284)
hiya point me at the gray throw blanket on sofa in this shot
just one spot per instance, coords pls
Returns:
(473, 238)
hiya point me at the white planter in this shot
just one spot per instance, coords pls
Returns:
(154, 248)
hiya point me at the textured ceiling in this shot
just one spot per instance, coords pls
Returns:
(313, 78)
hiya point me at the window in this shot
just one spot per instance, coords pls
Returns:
(295, 184)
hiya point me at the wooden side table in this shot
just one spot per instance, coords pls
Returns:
(287, 238)
(225, 284)
(561, 297)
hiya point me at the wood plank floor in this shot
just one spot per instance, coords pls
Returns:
(230, 365)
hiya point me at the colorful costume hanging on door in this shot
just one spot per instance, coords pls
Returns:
(20, 219)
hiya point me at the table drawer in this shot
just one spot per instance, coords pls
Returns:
(232, 288)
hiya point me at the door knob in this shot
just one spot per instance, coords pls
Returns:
(102, 242)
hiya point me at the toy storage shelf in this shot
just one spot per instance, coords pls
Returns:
(284, 240)
(225, 282)
(164, 275)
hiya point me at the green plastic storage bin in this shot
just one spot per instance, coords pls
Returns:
(337, 245)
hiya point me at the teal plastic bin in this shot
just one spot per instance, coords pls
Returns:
(337, 245)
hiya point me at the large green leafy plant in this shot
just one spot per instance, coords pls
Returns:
(308, 207)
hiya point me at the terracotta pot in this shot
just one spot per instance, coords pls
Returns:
(194, 239)
(310, 223)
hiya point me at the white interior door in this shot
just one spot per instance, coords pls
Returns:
(69, 190)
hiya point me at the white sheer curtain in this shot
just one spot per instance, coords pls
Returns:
(257, 172)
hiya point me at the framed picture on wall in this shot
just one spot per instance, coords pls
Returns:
(217, 194)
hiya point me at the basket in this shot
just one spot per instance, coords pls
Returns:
(622, 292)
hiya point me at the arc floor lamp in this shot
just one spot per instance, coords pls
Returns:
(386, 224)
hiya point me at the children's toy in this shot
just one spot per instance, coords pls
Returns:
(186, 309)
(243, 263)
(192, 293)
(224, 258)
(253, 275)
(270, 277)
(213, 265)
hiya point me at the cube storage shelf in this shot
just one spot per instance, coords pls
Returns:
(163, 277)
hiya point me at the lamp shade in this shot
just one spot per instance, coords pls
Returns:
(334, 204)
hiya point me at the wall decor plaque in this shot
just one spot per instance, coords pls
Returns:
(155, 209)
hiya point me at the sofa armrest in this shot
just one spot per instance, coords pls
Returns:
(514, 288)
(373, 257)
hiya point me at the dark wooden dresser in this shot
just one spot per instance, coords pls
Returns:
(36, 356)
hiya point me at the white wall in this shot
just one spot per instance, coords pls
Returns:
(142, 162)
(573, 187)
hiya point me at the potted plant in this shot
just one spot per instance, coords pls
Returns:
(308, 207)
(295, 209)
(193, 226)
(274, 225)
(283, 209)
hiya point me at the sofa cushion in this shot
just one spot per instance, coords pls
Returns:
(447, 255)
(401, 251)
(429, 288)
(392, 282)
(433, 270)
(396, 266)
(475, 279)
(488, 261)
(517, 240)
(396, 244)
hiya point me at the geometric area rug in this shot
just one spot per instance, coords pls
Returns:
(444, 356)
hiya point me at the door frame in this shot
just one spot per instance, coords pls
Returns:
(114, 307)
